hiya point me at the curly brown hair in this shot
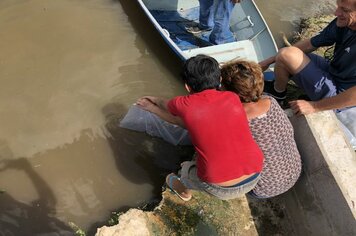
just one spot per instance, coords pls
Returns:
(244, 78)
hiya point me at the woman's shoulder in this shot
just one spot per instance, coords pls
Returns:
(274, 114)
(274, 107)
(257, 109)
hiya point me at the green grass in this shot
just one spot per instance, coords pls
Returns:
(77, 231)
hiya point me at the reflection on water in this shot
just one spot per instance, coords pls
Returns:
(69, 70)
(284, 16)
(60, 63)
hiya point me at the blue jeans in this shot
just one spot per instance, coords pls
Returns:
(189, 178)
(215, 14)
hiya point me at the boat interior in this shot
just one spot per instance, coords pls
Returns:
(249, 29)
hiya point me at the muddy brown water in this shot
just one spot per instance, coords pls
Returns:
(69, 70)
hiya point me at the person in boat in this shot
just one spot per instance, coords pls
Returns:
(270, 128)
(228, 160)
(330, 84)
(215, 15)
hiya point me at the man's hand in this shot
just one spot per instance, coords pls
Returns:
(302, 107)
(267, 62)
(235, 1)
(146, 103)
(158, 107)
(264, 65)
(152, 99)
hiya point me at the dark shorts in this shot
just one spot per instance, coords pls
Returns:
(315, 79)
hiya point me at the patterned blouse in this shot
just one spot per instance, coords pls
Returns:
(274, 134)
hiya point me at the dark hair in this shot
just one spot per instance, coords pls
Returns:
(244, 78)
(201, 72)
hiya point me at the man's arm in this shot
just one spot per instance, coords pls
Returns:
(342, 100)
(159, 106)
(304, 45)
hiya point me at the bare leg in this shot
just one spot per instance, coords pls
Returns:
(289, 61)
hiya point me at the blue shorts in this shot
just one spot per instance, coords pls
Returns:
(315, 79)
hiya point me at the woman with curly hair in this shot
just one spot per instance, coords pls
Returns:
(270, 128)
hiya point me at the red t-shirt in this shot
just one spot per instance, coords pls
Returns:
(218, 127)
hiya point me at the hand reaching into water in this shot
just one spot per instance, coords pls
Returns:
(147, 103)
(159, 106)
(152, 99)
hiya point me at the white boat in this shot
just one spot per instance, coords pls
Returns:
(254, 40)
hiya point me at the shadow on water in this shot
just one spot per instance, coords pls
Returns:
(36, 218)
(139, 158)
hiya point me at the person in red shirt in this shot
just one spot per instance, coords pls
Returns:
(228, 160)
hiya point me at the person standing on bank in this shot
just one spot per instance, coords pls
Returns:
(329, 84)
(215, 15)
(228, 160)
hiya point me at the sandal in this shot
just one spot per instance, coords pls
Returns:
(169, 182)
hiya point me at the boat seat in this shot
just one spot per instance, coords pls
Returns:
(243, 49)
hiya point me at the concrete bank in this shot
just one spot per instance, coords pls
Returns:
(323, 200)
(321, 203)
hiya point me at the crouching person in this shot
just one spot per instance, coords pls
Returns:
(270, 128)
(228, 161)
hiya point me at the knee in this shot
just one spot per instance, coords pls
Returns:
(289, 54)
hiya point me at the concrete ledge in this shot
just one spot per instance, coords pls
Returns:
(133, 222)
(337, 153)
(321, 203)
(323, 200)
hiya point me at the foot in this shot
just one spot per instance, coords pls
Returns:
(196, 30)
(173, 182)
(269, 90)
